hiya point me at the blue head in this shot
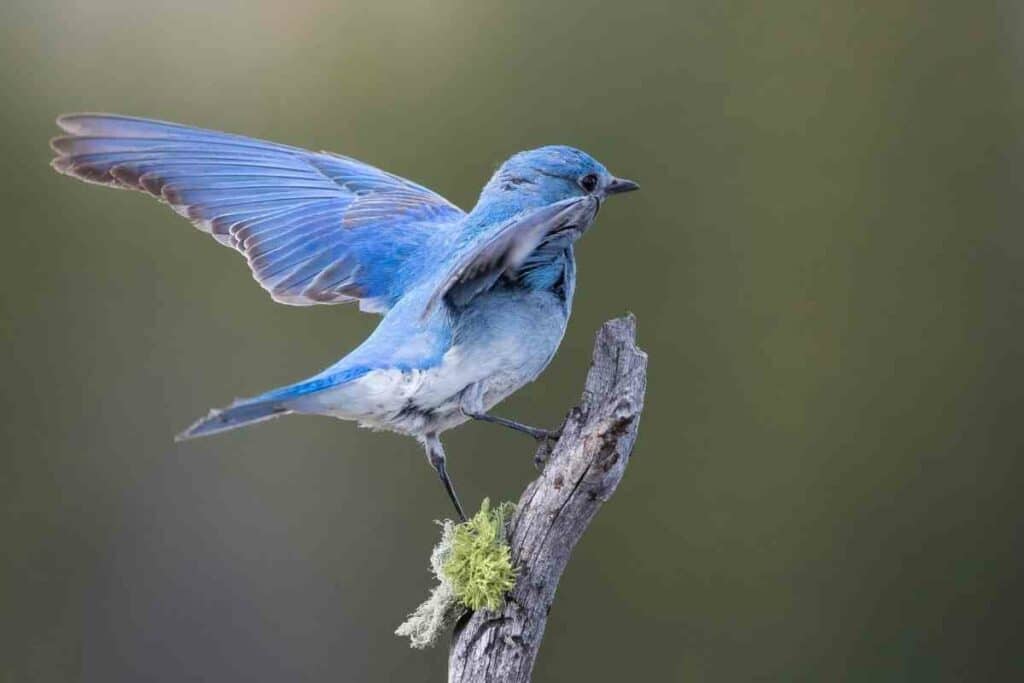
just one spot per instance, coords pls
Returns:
(545, 175)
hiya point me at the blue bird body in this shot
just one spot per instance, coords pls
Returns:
(474, 305)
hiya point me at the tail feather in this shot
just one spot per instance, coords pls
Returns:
(241, 414)
(267, 406)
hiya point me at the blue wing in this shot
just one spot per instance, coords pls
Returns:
(315, 228)
(510, 245)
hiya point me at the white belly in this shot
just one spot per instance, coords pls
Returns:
(498, 355)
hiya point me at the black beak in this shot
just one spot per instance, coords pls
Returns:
(620, 185)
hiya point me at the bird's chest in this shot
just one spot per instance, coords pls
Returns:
(504, 340)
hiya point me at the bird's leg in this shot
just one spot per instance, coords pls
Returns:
(535, 432)
(435, 454)
(472, 407)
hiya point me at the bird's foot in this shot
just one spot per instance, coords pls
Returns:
(544, 449)
(544, 434)
(536, 432)
(546, 438)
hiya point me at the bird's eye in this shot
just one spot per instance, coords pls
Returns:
(589, 182)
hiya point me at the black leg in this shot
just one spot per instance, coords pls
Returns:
(442, 472)
(535, 432)
(435, 454)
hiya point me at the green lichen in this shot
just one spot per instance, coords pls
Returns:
(441, 610)
(474, 570)
(479, 565)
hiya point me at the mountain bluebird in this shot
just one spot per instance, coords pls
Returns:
(474, 304)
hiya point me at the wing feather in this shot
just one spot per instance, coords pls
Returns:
(506, 247)
(315, 227)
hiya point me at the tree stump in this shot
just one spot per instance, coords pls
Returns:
(580, 472)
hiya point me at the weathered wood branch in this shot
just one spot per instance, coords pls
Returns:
(582, 471)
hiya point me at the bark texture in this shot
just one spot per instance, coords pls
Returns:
(581, 471)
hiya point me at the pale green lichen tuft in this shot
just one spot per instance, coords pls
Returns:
(479, 566)
(473, 567)
(441, 610)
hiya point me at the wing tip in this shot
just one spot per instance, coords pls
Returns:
(59, 143)
(66, 121)
(76, 122)
(61, 165)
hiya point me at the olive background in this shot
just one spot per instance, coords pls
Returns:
(825, 260)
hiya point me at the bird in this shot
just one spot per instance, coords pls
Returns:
(474, 304)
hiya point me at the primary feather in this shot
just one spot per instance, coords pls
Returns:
(315, 227)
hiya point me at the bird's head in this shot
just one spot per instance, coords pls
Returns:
(545, 175)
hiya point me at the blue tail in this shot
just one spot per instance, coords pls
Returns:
(239, 414)
(272, 404)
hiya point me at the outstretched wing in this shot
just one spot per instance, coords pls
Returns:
(507, 246)
(316, 228)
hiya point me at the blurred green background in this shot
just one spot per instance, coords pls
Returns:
(826, 262)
